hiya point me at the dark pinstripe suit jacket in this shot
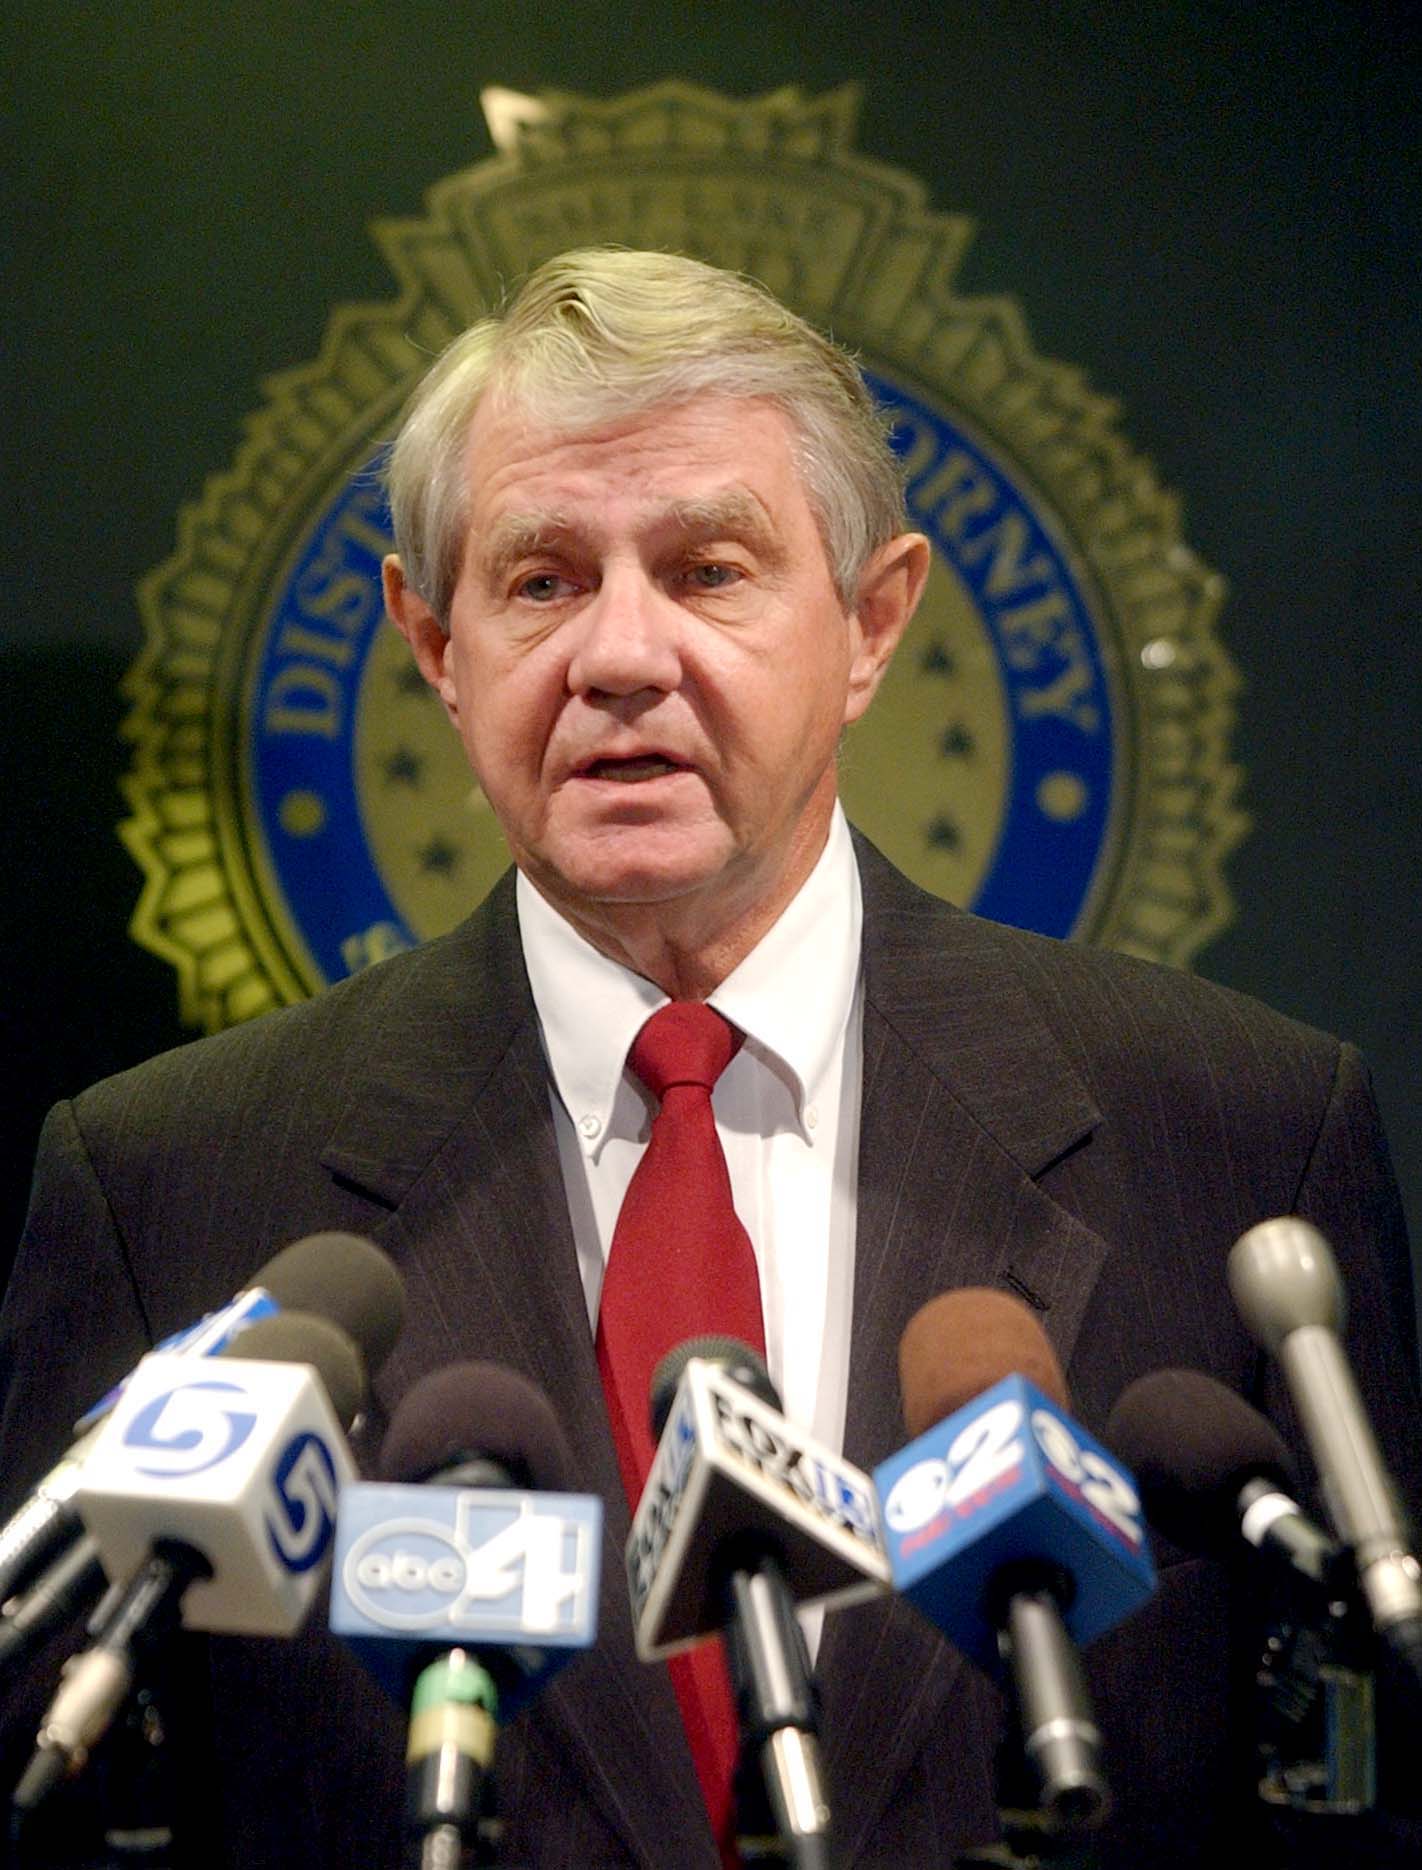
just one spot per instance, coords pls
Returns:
(1087, 1131)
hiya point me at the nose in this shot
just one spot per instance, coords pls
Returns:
(628, 638)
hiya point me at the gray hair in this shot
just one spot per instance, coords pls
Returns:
(603, 333)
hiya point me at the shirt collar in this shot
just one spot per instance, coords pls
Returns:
(792, 994)
(591, 1008)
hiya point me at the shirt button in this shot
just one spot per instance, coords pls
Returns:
(812, 1117)
(590, 1126)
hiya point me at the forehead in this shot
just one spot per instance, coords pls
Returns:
(712, 453)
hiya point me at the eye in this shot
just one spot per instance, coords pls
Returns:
(712, 576)
(544, 587)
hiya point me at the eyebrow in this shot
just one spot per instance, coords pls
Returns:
(521, 535)
(734, 513)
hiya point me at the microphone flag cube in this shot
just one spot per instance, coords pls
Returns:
(1005, 1479)
(731, 1473)
(511, 1575)
(243, 1460)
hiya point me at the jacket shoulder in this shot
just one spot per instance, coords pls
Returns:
(1094, 999)
(312, 1055)
(1015, 1018)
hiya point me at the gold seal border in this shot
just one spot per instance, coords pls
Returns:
(851, 243)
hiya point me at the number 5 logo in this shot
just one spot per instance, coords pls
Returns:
(304, 1496)
(188, 1430)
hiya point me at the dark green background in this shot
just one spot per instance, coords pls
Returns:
(1211, 208)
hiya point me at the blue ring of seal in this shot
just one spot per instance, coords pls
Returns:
(1043, 869)
(328, 883)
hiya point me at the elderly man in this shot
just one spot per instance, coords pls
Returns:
(651, 559)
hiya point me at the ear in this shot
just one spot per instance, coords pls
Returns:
(422, 630)
(889, 590)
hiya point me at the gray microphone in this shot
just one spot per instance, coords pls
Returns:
(1288, 1291)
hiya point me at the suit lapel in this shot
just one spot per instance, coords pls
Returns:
(456, 1137)
(967, 1099)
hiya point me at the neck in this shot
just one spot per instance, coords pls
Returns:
(685, 966)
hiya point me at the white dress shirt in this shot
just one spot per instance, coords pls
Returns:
(786, 1107)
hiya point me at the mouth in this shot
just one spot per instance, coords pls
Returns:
(631, 771)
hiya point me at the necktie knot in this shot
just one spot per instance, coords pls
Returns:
(685, 1042)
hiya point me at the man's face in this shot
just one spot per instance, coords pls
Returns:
(647, 660)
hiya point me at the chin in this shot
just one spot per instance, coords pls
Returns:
(637, 885)
(642, 872)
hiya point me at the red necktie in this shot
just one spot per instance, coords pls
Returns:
(681, 1265)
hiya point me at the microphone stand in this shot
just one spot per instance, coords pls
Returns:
(95, 1685)
(1051, 1794)
(449, 1756)
(1033, 1838)
(778, 1710)
(139, 1830)
(1315, 1699)
(1024, 1848)
(133, 1800)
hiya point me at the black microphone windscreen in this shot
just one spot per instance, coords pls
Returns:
(345, 1279)
(477, 1411)
(291, 1337)
(738, 1360)
(1192, 1443)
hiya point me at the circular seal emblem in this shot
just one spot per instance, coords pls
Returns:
(1049, 748)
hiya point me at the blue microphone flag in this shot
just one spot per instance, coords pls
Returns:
(1009, 1478)
(419, 1569)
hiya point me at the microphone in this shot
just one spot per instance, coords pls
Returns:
(743, 1516)
(70, 1582)
(1212, 1471)
(469, 1571)
(1011, 1529)
(212, 1500)
(1287, 1289)
(728, 1465)
(76, 1579)
(336, 1276)
(1216, 1479)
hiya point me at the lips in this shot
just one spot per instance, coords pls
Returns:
(629, 771)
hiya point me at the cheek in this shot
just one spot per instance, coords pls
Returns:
(821, 684)
(508, 713)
